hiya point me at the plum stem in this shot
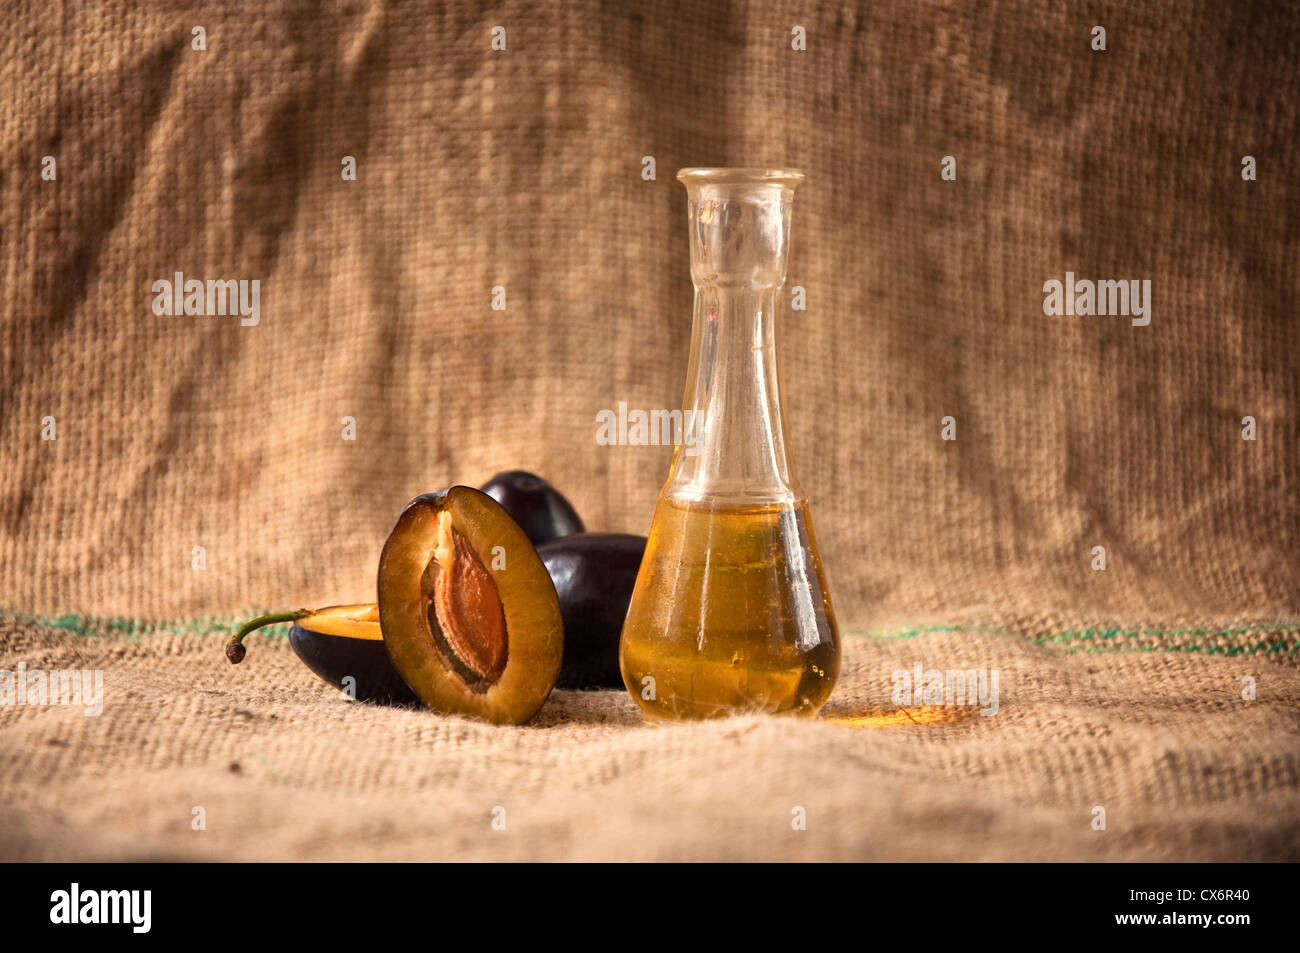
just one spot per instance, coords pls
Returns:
(235, 650)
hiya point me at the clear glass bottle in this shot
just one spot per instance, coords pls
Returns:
(730, 612)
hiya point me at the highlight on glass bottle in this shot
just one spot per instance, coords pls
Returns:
(730, 613)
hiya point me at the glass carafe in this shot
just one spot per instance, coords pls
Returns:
(730, 613)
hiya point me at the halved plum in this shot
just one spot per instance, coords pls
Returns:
(343, 645)
(469, 614)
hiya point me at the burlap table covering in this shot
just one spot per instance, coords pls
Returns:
(285, 768)
(522, 169)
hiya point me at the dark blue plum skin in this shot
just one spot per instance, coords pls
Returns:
(540, 509)
(594, 574)
(334, 657)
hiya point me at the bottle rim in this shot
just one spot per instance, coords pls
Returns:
(740, 175)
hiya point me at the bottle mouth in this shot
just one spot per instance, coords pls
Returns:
(750, 176)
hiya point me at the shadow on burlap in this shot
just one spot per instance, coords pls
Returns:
(523, 170)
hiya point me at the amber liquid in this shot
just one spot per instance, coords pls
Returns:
(730, 615)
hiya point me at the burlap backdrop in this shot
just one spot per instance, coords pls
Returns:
(522, 169)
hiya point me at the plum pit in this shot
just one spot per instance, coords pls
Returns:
(465, 616)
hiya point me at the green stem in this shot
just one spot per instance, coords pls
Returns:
(235, 650)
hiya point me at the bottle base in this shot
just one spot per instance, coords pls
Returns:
(730, 615)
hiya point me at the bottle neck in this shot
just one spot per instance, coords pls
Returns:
(734, 449)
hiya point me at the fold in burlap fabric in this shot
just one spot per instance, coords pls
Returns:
(522, 170)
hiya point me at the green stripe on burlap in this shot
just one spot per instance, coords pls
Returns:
(130, 630)
(1278, 639)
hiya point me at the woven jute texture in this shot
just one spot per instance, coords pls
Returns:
(284, 767)
(523, 170)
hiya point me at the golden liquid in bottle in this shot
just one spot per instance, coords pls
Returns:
(730, 615)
